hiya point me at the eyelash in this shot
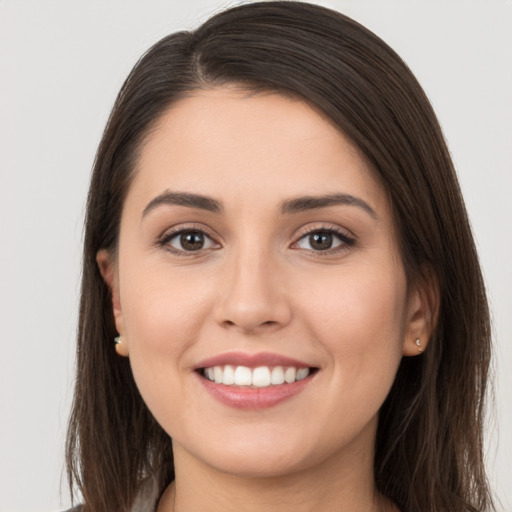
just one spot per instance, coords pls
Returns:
(164, 240)
(346, 240)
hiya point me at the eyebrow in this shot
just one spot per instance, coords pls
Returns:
(184, 199)
(301, 204)
(290, 206)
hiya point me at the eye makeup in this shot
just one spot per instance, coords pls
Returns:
(324, 240)
(193, 240)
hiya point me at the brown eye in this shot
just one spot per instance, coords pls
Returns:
(189, 241)
(324, 240)
(320, 241)
(192, 241)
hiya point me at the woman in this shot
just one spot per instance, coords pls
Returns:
(276, 241)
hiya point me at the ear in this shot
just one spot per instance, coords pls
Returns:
(108, 270)
(422, 312)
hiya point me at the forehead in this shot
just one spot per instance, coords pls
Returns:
(230, 143)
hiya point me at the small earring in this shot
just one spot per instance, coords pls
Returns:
(418, 344)
(118, 341)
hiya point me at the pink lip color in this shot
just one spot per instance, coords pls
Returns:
(253, 398)
(248, 397)
(250, 360)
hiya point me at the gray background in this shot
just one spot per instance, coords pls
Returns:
(61, 65)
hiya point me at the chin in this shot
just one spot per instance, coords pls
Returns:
(260, 463)
(276, 451)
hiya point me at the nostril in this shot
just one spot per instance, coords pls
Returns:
(246, 326)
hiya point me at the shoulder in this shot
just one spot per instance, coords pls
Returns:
(78, 508)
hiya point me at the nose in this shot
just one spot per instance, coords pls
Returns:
(252, 295)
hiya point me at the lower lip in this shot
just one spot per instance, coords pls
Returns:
(254, 398)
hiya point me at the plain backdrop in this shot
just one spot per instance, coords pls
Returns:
(61, 65)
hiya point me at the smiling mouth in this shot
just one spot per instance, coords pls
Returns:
(259, 377)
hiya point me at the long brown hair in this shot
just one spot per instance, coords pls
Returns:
(429, 455)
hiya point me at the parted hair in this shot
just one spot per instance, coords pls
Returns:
(429, 446)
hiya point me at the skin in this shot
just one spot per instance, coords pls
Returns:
(260, 286)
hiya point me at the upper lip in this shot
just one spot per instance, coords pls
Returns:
(251, 360)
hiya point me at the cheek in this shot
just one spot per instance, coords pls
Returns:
(358, 317)
(358, 314)
(164, 314)
(161, 304)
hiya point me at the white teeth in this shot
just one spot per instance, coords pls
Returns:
(243, 376)
(229, 375)
(217, 374)
(260, 377)
(277, 376)
(302, 373)
(289, 375)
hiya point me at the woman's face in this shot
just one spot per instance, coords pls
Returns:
(257, 247)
